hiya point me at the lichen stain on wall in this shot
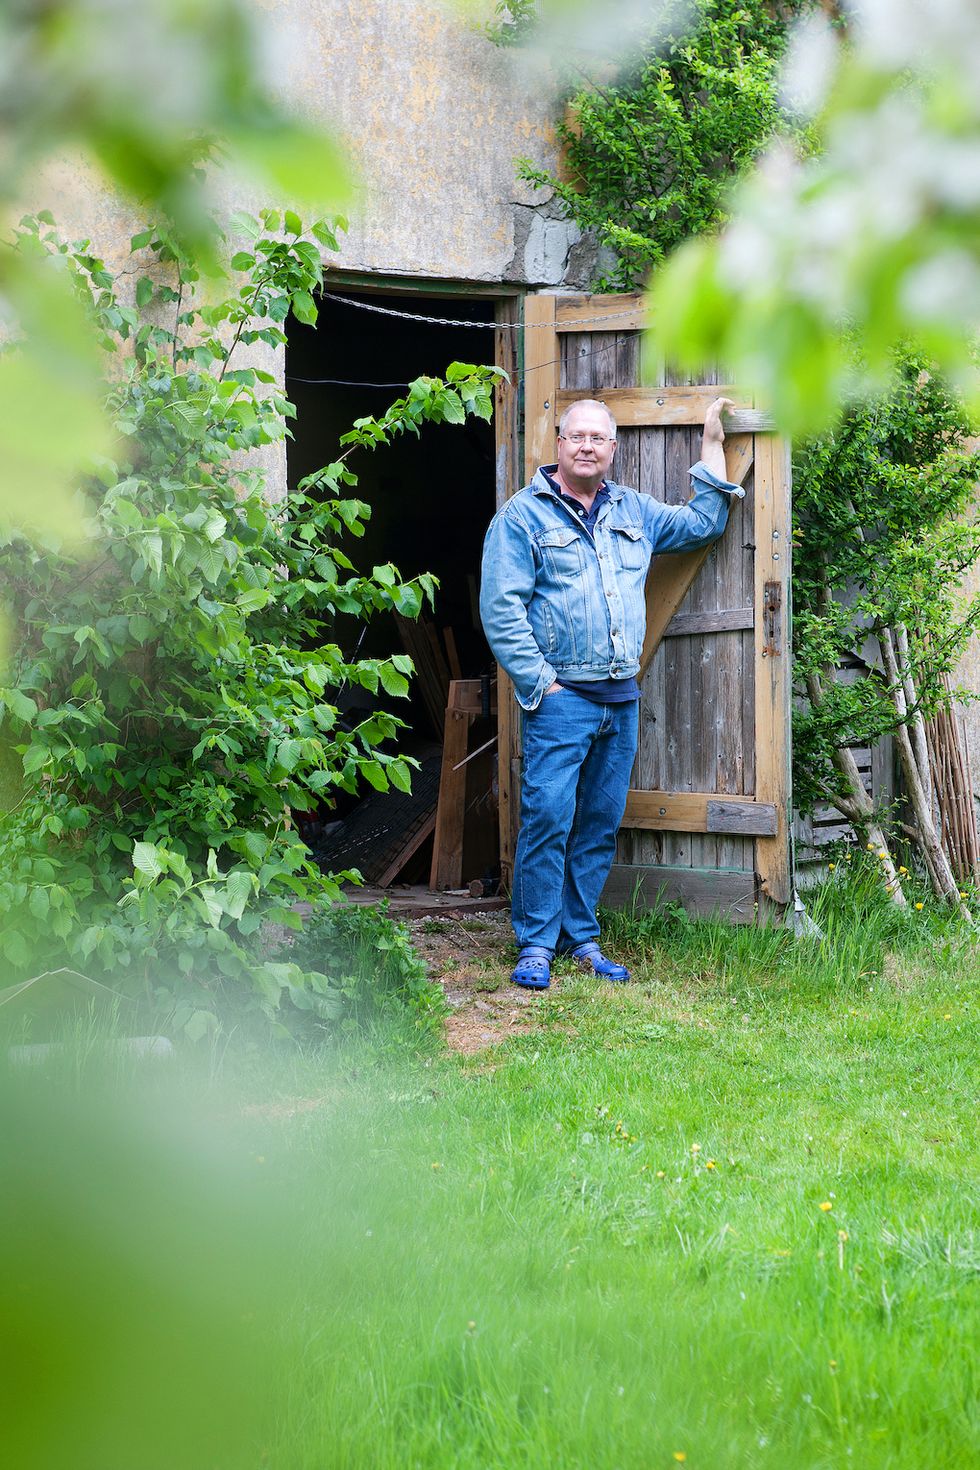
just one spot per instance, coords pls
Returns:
(434, 116)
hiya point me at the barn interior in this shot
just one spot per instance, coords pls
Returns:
(431, 498)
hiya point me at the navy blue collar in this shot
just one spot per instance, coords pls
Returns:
(601, 495)
(548, 471)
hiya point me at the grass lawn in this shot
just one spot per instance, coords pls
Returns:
(723, 1217)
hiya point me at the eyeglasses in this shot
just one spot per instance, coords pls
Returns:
(597, 439)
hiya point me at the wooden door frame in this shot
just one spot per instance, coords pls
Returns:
(750, 445)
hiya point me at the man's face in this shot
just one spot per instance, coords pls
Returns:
(588, 459)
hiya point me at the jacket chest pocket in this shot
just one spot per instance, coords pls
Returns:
(630, 547)
(561, 551)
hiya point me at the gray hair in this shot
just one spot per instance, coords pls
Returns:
(587, 403)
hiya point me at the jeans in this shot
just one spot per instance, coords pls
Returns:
(577, 762)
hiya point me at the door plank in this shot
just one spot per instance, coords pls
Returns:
(726, 620)
(623, 313)
(540, 382)
(447, 846)
(670, 577)
(772, 681)
(680, 407)
(699, 811)
(704, 892)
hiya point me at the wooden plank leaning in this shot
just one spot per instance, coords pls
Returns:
(670, 577)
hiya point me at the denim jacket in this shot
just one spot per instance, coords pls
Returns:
(556, 602)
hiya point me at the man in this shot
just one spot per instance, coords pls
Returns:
(563, 606)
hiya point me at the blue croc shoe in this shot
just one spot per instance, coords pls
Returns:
(533, 969)
(590, 957)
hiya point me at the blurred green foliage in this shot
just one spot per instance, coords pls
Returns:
(149, 93)
(144, 1272)
(172, 683)
(878, 233)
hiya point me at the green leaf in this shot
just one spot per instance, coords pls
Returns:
(129, 514)
(452, 408)
(374, 773)
(153, 552)
(253, 599)
(144, 291)
(400, 774)
(393, 682)
(304, 307)
(238, 891)
(298, 161)
(201, 1024)
(288, 754)
(141, 630)
(242, 260)
(292, 223)
(35, 758)
(20, 705)
(39, 903)
(146, 860)
(190, 415)
(215, 526)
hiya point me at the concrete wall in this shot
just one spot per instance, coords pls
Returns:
(434, 115)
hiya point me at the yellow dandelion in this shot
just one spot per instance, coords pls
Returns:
(903, 870)
(871, 847)
(962, 894)
(919, 907)
(831, 867)
(883, 854)
(826, 1205)
(711, 1164)
(947, 1016)
(680, 1456)
(832, 1365)
(661, 1174)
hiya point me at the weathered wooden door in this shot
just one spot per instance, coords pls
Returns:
(707, 823)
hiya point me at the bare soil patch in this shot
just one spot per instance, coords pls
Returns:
(471, 958)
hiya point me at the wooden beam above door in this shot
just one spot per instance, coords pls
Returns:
(641, 408)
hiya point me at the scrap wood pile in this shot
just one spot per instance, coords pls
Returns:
(453, 797)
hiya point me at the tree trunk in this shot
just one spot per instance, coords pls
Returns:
(856, 805)
(941, 875)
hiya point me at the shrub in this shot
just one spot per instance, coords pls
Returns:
(173, 680)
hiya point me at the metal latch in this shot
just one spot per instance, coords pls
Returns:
(772, 619)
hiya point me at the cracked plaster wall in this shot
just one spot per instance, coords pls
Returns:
(434, 116)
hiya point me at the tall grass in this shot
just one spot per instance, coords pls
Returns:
(724, 1217)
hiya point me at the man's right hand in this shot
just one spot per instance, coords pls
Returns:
(554, 688)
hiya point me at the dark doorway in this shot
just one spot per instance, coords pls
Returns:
(431, 499)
